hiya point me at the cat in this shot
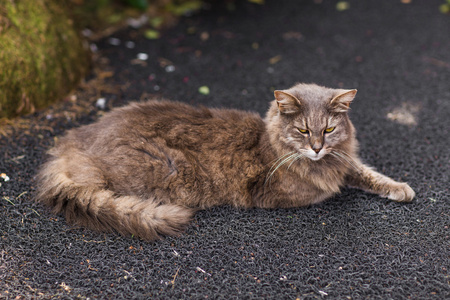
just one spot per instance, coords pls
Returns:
(144, 169)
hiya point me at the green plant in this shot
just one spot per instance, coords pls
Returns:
(42, 57)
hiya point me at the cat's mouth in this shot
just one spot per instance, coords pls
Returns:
(313, 155)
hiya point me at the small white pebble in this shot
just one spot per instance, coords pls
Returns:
(130, 44)
(93, 47)
(86, 32)
(114, 41)
(156, 88)
(142, 56)
(170, 68)
(101, 103)
(137, 22)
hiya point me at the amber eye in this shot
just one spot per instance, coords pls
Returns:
(329, 129)
(304, 131)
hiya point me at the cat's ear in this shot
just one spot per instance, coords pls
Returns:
(341, 102)
(287, 103)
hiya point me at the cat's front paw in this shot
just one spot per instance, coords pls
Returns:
(401, 192)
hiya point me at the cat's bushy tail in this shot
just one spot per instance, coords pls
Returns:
(84, 202)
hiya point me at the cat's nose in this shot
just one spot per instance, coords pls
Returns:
(316, 143)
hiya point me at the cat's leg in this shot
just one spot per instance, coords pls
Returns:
(370, 180)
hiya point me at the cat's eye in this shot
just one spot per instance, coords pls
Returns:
(303, 131)
(329, 129)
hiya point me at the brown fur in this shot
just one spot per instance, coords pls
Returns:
(145, 168)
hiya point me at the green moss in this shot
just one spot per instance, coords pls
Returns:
(42, 57)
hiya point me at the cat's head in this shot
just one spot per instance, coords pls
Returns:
(311, 120)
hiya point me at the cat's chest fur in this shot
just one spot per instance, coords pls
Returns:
(300, 185)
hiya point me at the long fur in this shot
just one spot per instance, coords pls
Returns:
(91, 205)
(145, 168)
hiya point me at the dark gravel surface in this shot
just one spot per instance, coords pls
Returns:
(354, 246)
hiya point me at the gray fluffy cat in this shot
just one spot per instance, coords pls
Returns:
(145, 168)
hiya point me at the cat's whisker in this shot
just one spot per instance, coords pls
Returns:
(351, 160)
(280, 164)
(276, 162)
(271, 172)
(346, 159)
(280, 161)
(338, 158)
(299, 156)
(343, 161)
(341, 158)
(280, 158)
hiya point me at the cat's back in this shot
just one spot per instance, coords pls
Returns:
(167, 118)
(164, 114)
(179, 124)
(196, 150)
(152, 114)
